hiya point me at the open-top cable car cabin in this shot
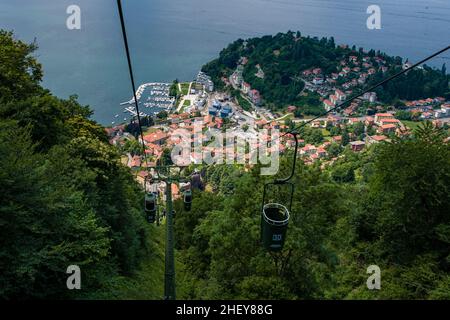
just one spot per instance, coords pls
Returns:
(150, 207)
(275, 215)
(187, 198)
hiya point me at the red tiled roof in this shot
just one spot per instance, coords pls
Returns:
(156, 136)
(135, 161)
(175, 189)
(143, 174)
(384, 115)
(388, 126)
(328, 102)
(390, 120)
(378, 138)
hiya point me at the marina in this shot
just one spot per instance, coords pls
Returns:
(153, 97)
(132, 111)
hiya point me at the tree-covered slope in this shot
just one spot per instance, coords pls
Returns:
(65, 197)
(391, 210)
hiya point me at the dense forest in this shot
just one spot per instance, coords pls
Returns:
(388, 206)
(65, 197)
(285, 56)
(416, 84)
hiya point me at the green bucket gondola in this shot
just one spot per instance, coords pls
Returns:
(187, 200)
(275, 216)
(275, 220)
(150, 207)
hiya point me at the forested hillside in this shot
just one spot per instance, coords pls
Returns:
(388, 206)
(285, 56)
(65, 197)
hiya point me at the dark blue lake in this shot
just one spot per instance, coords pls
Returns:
(174, 38)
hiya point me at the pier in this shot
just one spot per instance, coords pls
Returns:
(158, 98)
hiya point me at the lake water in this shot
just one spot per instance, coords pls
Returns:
(173, 38)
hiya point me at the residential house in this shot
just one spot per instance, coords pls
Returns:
(340, 95)
(255, 96)
(158, 137)
(426, 115)
(369, 121)
(357, 145)
(308, 150)
(318, 81)
(246, 88)
(382, 116)
(334, 99)
(135, 162)
(328, 104)
(334, 120)
(370, 96)
(396, 122)
(353, 121)
(387, 129)
(291, 108)
(376, 139)
(321, 152)
(260, 124)
(316, 124)
(337, 139)
(141, 176)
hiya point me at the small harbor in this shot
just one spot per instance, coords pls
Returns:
(153, 98)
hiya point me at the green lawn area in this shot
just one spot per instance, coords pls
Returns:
(185, 88)
(186, 104)
(411, 124)
(150, 130)
(325, 133)
(244, 103)
(288, 116)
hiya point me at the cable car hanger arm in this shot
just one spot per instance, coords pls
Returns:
(285, 180)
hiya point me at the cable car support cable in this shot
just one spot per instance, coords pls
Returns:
(130, 69)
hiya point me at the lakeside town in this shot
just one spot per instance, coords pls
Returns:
(364, 122)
